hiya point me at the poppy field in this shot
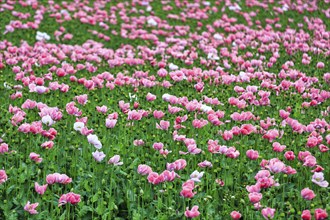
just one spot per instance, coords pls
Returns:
(164, 109)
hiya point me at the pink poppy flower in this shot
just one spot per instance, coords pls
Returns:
(139, 142)
(227, 135)
(3, 176)
(310, 161)
(187, 189)
(58, 178)
(320, 65)
(289, 155)
(277, 147)
(47, 144)
(115, 160)
(155, 179)
(134, 115)
(72, 110)
(275, 165)
(306, 215)
(35, 157)
(253, 189)
(307, 194)
(144, 169)
(196, 176)
(110, 123)
(70, 197)
(163, 125)
(255, 197)
(193, 213)
(220, 182)
(98, 156)
(268, 213)
(318, 169)
(252, 154)
(102, 109)
(40, 189)
(177, 165)
(31, 208)
(323, 148)
(318, 178)
(150, 97)
(169, 175)
(158, 146)
(3, 148)
(205, 163)
(320, 214)
(199, 123)
(82, 99)
(235, 215)
(158, 114)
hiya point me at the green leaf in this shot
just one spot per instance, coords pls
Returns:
(83, 211)
(95, 197)
(63, 216)
(8, 191)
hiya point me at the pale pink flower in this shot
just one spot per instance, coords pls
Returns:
(110, 123)
(102, 109)
(115, 160)
(144, 169)
(310, 161)
(318, 178)
(47, 120)
(93, 139)
(196, 176)
(253, 188)
(150, 97)
(98, 156)
(35, 157)
(138, 142)
(31, 208)
(275, 165)
(205, 163)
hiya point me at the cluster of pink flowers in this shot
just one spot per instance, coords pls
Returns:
(166, 175)
(58, 178)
